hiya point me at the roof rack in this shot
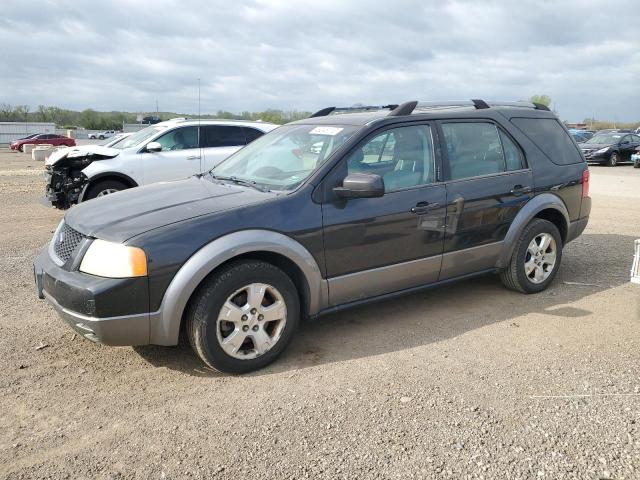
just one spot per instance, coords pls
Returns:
(475, 104)
(365, 108)
(407, 108)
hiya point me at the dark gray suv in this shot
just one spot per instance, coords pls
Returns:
(319, 215)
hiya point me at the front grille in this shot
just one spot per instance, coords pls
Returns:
(66, 242)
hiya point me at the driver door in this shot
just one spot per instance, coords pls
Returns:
(179, 157)
(375, 246)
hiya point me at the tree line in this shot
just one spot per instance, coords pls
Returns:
(94, 120)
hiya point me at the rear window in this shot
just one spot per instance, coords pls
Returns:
(222, 136)
(551, 138)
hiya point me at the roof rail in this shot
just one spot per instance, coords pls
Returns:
(476, 104)
(407, 108)
(365, 108)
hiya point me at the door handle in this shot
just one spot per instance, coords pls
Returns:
(193, 157)
(520, 190)
(424, 207)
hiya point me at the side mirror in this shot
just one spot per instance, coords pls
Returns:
(624, 142)
(153, 147)
(361, 185)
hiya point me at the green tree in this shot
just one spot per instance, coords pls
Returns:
(541, 99)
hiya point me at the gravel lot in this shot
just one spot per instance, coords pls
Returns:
(467, 381)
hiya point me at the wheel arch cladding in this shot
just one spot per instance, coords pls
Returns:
(269, 246)
(121, 177)
(546, 206)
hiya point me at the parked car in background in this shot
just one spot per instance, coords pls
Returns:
(46, 139)
(110, 142)
(102, 135)
(151, 119)
(580, 136)
(395, 200)
(165, 151)
(610, 148)
(635, 158)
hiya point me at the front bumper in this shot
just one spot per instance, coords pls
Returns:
(106, 310)
(63, 188)
(596, 158)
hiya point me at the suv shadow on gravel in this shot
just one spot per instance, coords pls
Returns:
(433, 315)
(327, 213)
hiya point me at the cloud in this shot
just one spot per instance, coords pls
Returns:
(253, 55)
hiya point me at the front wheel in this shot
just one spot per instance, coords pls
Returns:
(613, 160)
(535, 259)
(104, 187)
(242, 318)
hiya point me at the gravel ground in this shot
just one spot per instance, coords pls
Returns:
(467, 381)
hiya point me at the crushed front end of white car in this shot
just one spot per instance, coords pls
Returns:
(65, 182)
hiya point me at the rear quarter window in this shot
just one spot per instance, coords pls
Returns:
(551, 138)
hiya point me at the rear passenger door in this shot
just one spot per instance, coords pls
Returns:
(218, 142)
(627, 147)
(487, 182)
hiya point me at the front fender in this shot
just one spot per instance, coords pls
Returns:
(165, 324)
(525, 215)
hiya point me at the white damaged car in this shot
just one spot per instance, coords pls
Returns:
(165, 151)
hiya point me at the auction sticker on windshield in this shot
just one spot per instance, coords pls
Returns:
(326, 131)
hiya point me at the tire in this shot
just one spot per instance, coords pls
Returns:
(515, 276)
(21, 148)
(101, 137)
(104, 187)
(209, 336)
(614, 158)
(636, 164)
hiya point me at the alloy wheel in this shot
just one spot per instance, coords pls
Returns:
(251, 321)
(540, 258)
(106, 191)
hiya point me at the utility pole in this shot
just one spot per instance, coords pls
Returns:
(157, 112)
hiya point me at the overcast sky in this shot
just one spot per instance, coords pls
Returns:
(253, 55)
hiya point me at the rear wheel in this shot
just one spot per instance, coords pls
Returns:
(535, 259)
(242, 318)
(613, 159)
(104, 187)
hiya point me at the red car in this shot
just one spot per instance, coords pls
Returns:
(44, 138)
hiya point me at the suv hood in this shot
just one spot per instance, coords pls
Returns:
(120, 216)
(95, 152)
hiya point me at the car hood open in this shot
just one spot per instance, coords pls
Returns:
(97, 152)
(122, 215)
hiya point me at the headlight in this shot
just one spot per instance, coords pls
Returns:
(114, 260)
(602, 150)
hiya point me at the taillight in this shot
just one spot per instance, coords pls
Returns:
(585, 183)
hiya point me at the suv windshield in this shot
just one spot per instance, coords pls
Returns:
(138, 137)
(605, 138)
(285, 157)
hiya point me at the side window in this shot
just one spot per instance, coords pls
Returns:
(403, 157)
(551, 138)
(473, 149)
(512, 154)
(179, 139)
(222, 136)
(251, 134)
(627, 139)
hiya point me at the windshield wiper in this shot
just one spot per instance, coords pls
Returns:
(239, 181)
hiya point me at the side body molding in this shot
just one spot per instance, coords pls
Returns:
(165, 323)
(524, 216)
